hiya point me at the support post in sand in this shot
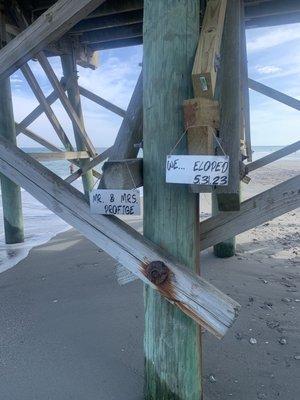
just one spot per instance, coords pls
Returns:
(11, 194)
(172, 341)
(70, 74)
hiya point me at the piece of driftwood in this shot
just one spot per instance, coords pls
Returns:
(193, 295)
(261, 208)
(50, 26)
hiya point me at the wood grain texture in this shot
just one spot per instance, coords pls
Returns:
(200, 300)
(123, 174)
(208, 50)
(51, 25)
(172, 343)
(255, 211)
(61, 155)
(230, 106)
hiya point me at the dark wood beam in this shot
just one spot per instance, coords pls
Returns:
(269, 8)
(273, 20)
(110, 21)
(115, 44)
(110, 34)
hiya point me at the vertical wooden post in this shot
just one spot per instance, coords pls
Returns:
(70, 74)
(230, 105)
(11, 194)
(172, 343)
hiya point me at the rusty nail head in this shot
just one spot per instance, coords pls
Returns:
(157, 272)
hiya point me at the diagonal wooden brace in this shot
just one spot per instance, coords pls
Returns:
(193, 295)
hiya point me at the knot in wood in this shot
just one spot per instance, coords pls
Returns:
(157, 272)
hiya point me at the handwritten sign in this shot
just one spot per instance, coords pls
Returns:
(197, 170)
(115, 202)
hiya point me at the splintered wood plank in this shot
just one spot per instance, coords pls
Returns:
(261, 208)
(184, 288)
(33, 83)
(51, 25)
(204, 74)
(80, 130)
(37, 138)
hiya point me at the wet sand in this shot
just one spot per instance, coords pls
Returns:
(69, 331)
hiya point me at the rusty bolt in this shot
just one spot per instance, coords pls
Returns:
(157, 272)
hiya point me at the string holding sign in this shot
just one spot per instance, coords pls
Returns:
(197, 169)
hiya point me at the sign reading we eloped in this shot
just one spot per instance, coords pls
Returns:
(197, 170)
(115, 202)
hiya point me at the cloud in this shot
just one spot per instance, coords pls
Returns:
(268, 69)
(266, 38)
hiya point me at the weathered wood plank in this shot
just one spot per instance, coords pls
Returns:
(201, 112)
(230, 106)
(110, 21)
(131, 129)
(102, 102)
(37, 138)
(76, 121)
(49, 26)
(276, 155)
(115, 44)
(91, 164)
(204, 74)
(46, 107)
(185, 289)
(110, 34)
(123, 174)
(274, 94)
(36, 113)
(172, 343)
(61, 155)
(261, 208)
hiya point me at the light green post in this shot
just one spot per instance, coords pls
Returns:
(11, 194)
(172, 341)
(70, 74)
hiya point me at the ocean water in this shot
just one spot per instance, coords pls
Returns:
(40, 224)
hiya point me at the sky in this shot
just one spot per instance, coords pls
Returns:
(273, 59)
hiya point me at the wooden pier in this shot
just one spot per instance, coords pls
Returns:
(192, 94)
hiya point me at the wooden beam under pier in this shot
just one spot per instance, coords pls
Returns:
(50, 26)
(102, 102)
(61, 155)
(33, 83)
(274, 94)
(123, 174)
(185, 289)
(276, 155)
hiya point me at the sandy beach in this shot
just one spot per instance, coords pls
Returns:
(70, 331)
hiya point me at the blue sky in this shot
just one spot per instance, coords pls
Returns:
(273, 59)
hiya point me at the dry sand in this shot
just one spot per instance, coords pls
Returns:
(69, 331)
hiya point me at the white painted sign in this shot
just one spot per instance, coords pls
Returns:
(115, 202)
(197, 170)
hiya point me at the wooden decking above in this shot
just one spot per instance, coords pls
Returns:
(119, 23)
